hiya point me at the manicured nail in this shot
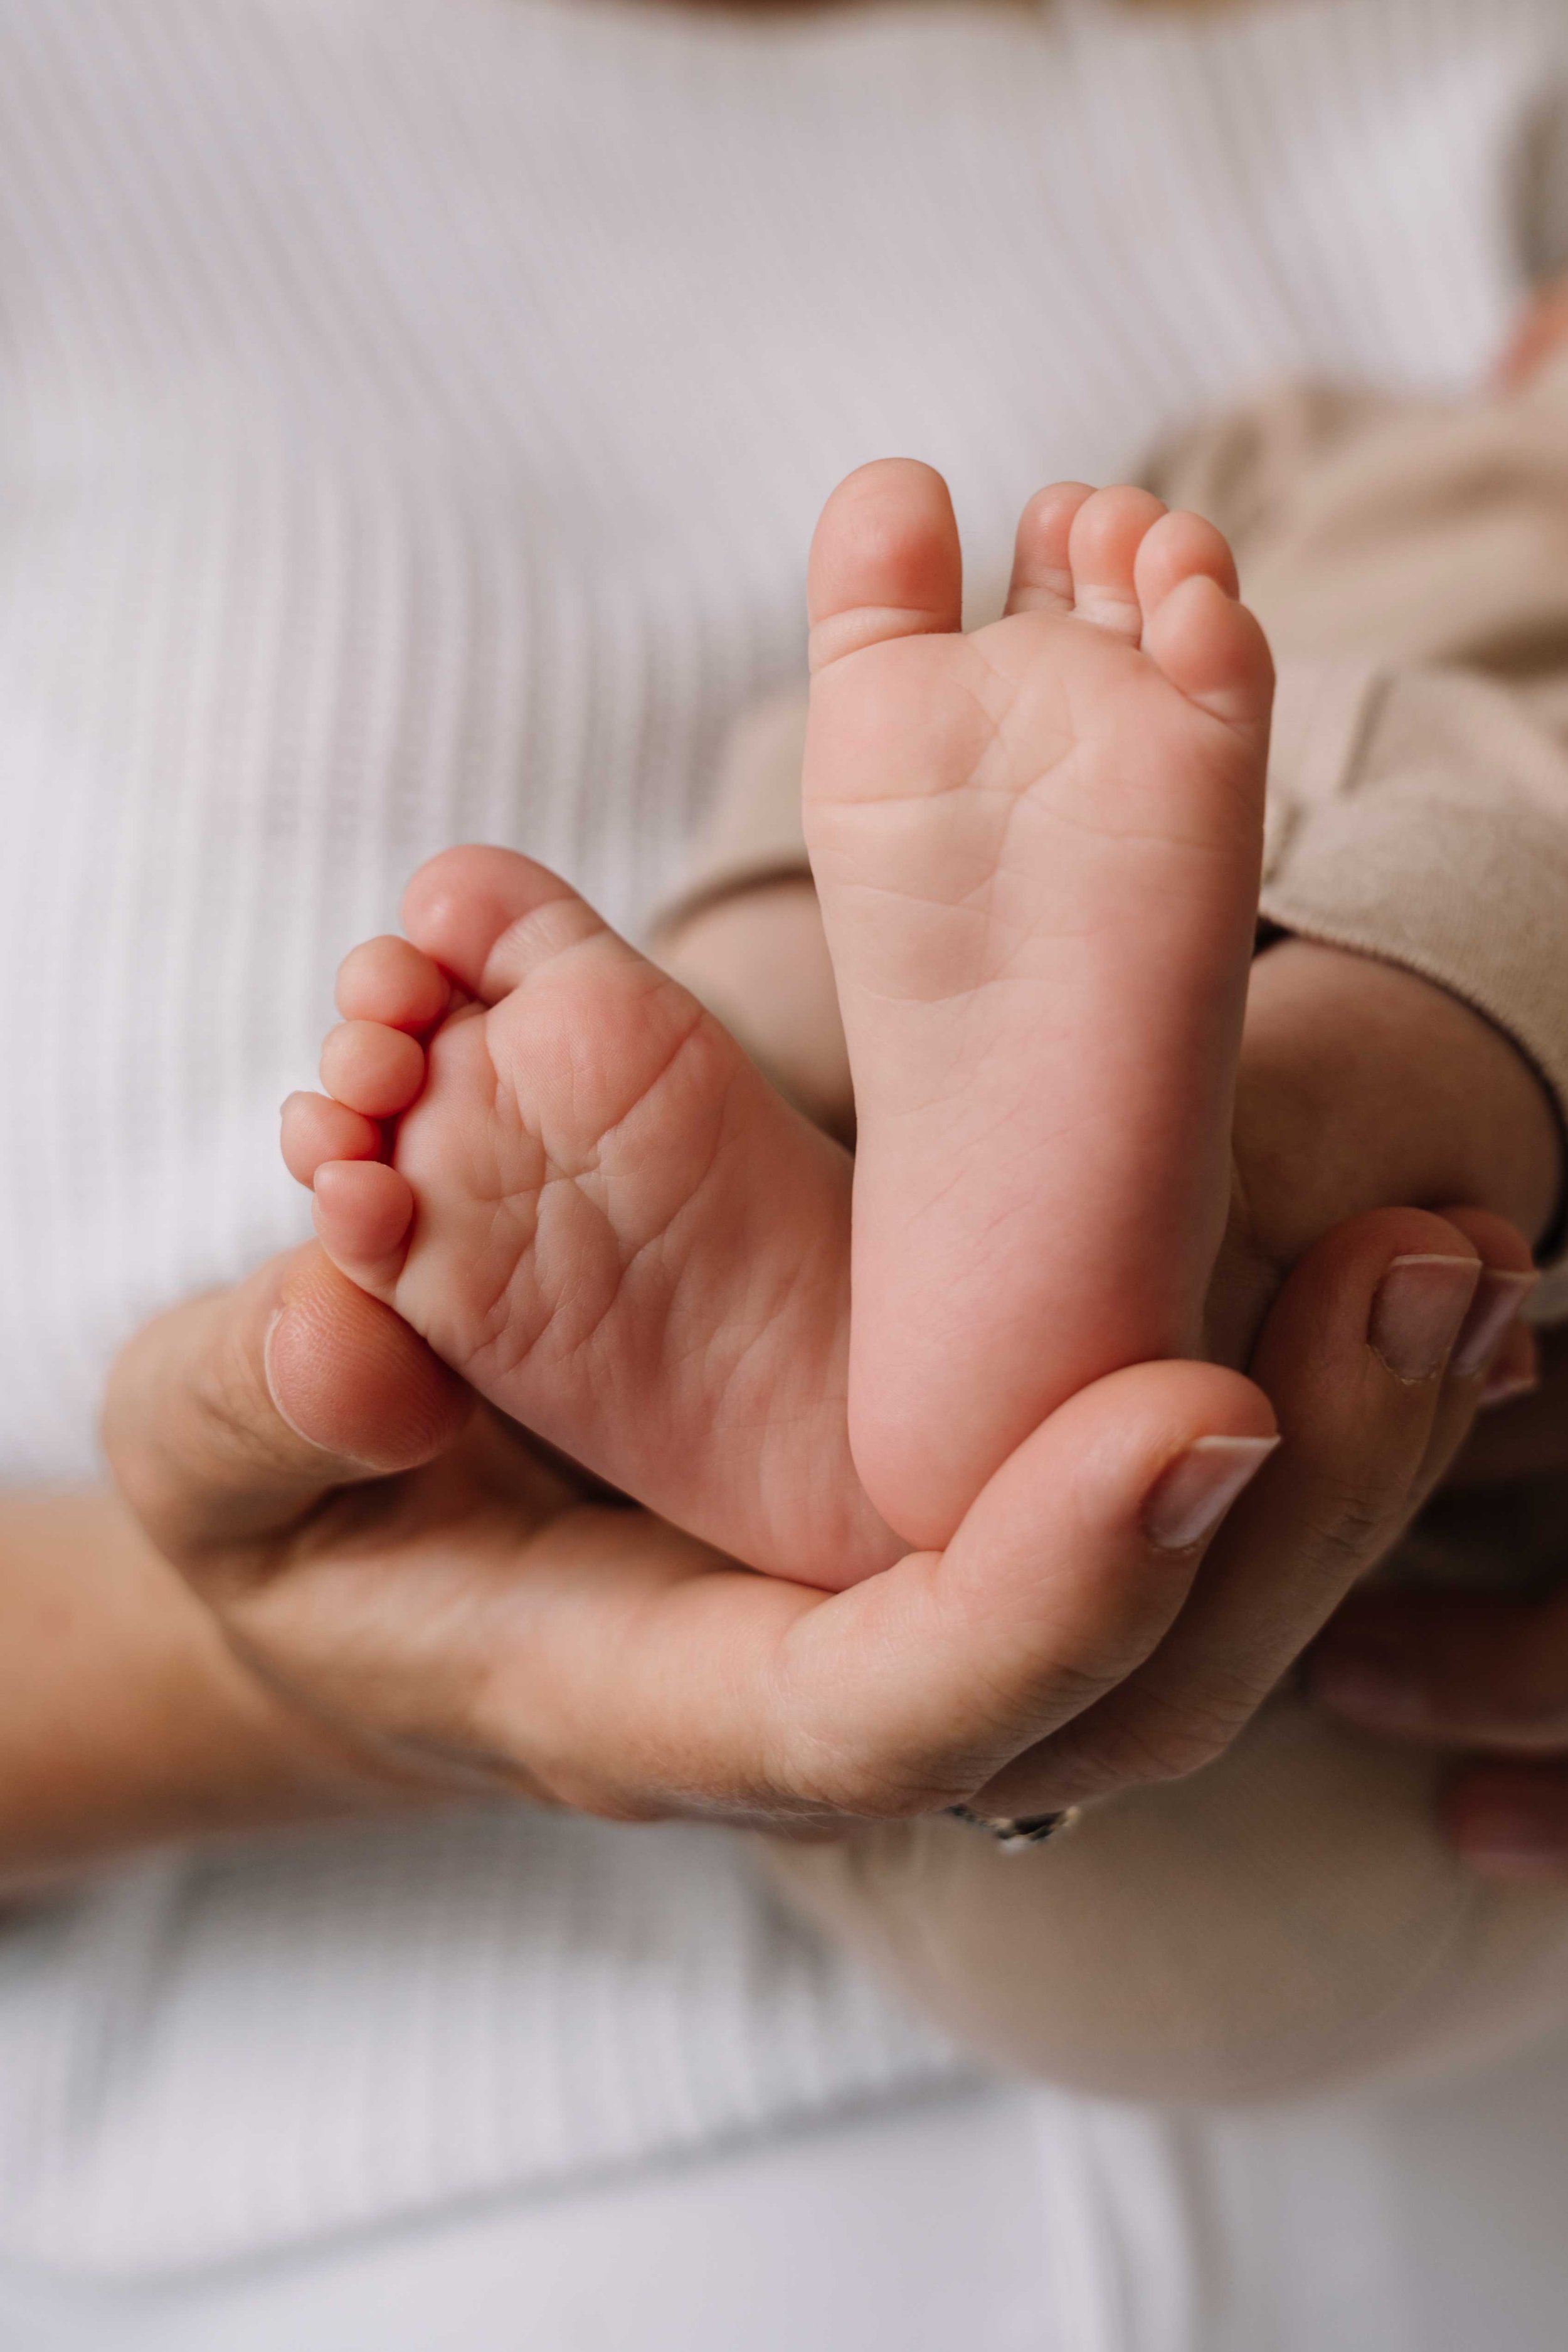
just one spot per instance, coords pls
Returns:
(1506, 1388)
(1192, 1493)
(1493, 1312)
(1369, 1690)
(1419, 1312)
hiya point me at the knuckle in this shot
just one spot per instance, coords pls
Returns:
(1350, 1531)
(1354, 1519)
(868, 1790)
(851, 1781)
(630, 1809)
(1159, 1740)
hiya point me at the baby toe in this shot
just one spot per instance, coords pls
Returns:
(316, 1129)
(1042, 565)
(1103, 540)
(885, 560)
(363, 1212)
(389, 981)
(373, 1069)
(488, 916)
(1180, 547)
(1215, 652)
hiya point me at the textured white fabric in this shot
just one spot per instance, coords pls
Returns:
(923, 2227)
(1002, 2219)
(413, 414)
(314, 2035)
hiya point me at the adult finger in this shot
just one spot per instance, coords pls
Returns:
(1515, 1373)
(231, 1415)
(1507, 1278)
(1510, 1821)
(600, 1657)
(1354, 1355)
(1462, 1669)
(1527, 1437)
(637, 1675)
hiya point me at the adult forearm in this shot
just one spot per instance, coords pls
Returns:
(125, 1719)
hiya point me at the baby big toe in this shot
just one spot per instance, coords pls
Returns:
(885, 560)
(488, 916)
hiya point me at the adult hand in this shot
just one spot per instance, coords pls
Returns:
(460, 1610)
(1482, 1673)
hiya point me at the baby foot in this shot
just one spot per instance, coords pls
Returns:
(1037, 849)
(568, 1178)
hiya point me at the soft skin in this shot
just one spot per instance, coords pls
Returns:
(132, 1719)
(1360, 1086)
(328, 1580)
(1038, 846)
(437, 1607)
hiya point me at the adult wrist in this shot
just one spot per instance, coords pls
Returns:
(129, 1721)
(1363, 1086)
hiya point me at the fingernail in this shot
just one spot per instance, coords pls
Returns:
(1493, 1312)
(1419, 1311)
(1369, 1690)
(1505, 1388)
(1192, 1493)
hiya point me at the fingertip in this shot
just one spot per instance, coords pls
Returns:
(348, 1376)
(1500, 1298)
(1496, 1240)
(1418, 1310)
(1153, 1455)
(1491, 1335)
(1325, 1309)
(1193, 1494)
(1056, 1589)
(1514, 1372)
